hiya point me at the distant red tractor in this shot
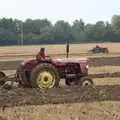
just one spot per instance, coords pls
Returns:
(99, 49)
(48, 72)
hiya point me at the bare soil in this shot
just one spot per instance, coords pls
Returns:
(103, 75)
(111, 61)
(25, 96)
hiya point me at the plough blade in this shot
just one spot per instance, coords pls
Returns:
(2, 78)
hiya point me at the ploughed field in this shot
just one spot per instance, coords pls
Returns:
(99, 102)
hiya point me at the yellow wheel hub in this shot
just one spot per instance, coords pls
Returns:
(46, 79)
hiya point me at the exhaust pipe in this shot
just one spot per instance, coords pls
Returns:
(67, 49)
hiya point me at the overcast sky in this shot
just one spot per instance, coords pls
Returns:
(69, 10)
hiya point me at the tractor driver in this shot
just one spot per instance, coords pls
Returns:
(41, 54)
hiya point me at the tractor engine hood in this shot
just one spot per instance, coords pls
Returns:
(83, 63)
(82, 60)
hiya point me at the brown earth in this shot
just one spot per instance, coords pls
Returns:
(103, 75)
(25, 96)
(111, 61)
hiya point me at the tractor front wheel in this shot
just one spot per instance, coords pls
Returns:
(45, 75)
(85, 81)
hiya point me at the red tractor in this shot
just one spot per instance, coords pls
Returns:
(47, 73)
(99, 49)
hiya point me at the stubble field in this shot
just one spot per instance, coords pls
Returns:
(69, 103)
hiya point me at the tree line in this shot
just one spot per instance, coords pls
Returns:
(42, 31)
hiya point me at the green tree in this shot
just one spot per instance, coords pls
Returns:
(62, 32)
(90, 30)
(38, 31)
(96, 32)
(7, 31)
(116, 27)
(78, 31)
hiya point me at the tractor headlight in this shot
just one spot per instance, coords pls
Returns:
(87, 66)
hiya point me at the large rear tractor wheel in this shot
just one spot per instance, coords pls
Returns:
(85, 81)
(44, 76)
(2, 78)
